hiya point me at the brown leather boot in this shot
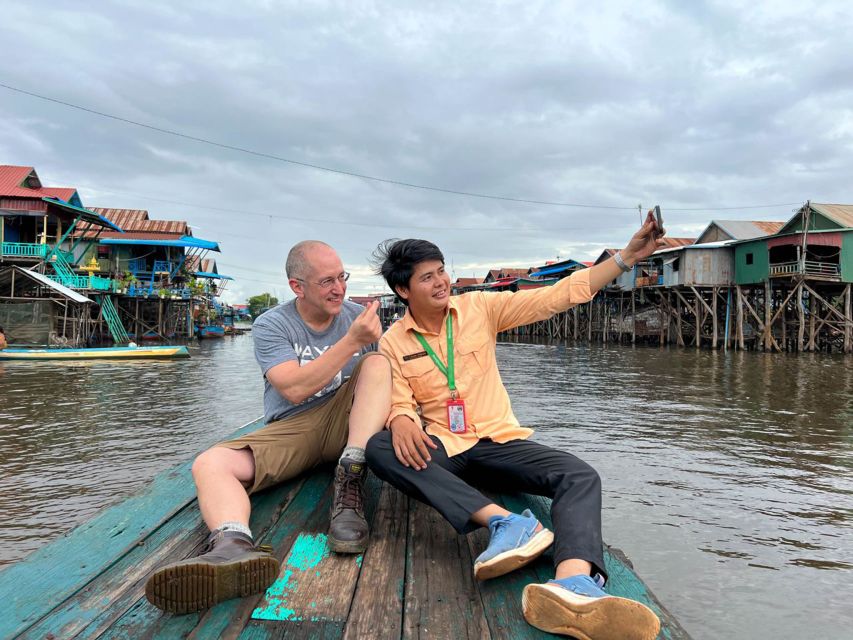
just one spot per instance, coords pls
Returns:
(229, 566)
(348, 530)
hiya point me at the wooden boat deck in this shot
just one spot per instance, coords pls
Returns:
(414, 581)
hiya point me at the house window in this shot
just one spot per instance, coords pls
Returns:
(103, 251)
(748, 258)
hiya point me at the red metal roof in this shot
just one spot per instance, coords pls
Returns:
(14, 181)
(767, 227)
(137, 220)
(672, 243)
(467, 282)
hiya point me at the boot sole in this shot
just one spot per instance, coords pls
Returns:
(514, 558)
(569, 614)
(347, 546)
(193, 586)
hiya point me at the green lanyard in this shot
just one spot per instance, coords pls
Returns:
(450, 370)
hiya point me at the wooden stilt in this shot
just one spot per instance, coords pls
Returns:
(813, 310)
(768, 335)
(848, 321)
(740, 341)
(714, 318)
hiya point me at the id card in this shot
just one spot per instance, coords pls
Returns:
(456, 416)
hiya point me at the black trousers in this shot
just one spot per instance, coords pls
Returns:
(518, 465)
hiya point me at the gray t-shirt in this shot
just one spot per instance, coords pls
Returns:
(281, 335)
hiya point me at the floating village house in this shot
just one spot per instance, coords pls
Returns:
(86, 275)
(44, 298)
(157, 266)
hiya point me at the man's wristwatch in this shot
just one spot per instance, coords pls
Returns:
(617, 258)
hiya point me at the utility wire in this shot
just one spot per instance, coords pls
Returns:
(354, 174)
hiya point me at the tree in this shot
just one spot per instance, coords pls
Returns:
(260, 303)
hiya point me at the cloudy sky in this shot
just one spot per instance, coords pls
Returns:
(696, 106)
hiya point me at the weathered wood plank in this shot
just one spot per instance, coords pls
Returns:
(267, 508)
(377, 607)
(441, 600)
(33, 587)
(227, 620)
(312, 596)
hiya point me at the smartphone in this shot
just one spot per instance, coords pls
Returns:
(659, 221)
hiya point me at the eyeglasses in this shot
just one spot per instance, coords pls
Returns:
(328, 283)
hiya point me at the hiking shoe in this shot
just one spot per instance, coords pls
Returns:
(229, 566)
(516, 540)
(578, 607)
(348, 530)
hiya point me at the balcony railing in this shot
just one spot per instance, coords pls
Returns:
(92, 283)
(146, 292)
(826, 269)
(24, 250)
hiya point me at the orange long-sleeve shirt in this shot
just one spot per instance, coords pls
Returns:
(478, 317)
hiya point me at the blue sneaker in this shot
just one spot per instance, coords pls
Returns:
(516, 540)
(578, 607)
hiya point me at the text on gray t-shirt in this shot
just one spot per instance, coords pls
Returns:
(280, 335)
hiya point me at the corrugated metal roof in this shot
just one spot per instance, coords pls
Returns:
(13, 184)
(68, 293)
(140, 235)
(137, 220)
(840, 213)
(745, 229)
(163, 241)
(677, 242)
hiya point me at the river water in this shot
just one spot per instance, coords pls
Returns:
(727, 476)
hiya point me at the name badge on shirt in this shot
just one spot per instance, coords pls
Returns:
(456, 415)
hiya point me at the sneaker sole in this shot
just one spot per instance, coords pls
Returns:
(193, 586)
(347, 546)
(514, 558)
(609, 618)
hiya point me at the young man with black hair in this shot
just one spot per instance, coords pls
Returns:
(326, 392)
(442, 355)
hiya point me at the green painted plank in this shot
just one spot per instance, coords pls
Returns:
(35, 586)
(287, 601)
(229, 618)
(440, 600)
(124, 582)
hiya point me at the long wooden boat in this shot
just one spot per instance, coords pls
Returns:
(105, 353)
(414, 581)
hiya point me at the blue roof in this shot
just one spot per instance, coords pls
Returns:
(206, 274)
(558, 269)
(183, 241)
(85, 214)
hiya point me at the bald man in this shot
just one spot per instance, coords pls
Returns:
(326, 392)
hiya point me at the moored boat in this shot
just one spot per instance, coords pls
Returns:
(415, 577)
(105, 353)
(210, 331)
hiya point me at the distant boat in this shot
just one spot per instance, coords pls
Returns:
(210, 331)
(107, 353)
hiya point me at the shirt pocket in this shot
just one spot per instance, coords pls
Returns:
(474, 355)
(423, 377)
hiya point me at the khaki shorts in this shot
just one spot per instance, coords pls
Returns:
(285, 448)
